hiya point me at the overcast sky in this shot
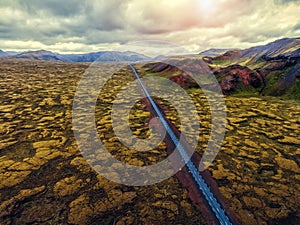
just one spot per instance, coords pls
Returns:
(96, 25)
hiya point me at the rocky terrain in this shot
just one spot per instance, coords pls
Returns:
(45, 180)
(270, 70)
(275, 65)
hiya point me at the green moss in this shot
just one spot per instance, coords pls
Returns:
(259, 64)
(218, 62)
(295, 91)
(222, 62)
(245, 91)
(245, 94)
(160, 74)
(272, 80)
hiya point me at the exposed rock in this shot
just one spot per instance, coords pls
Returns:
(247, 217)
(126, 220)
(46, 154)
(7, 108)
(237, 120)
(48, 102)
(47, 118)
(38, 214)
(68, 186)
(272, 135)
(9, 179)
(260, 191)
(80, 210)
(46, 144)
(276, 213)
(115, 200)
(7, 206)
(81, 164)
(290, 140)
(166, 205)
(251, 143)
(287, 164)
(267, 114)
(252, 202)
(5, 163)
(220, 173)
(187, 207)
(21, 166)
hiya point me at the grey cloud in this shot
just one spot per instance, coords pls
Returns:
(106, 15)
(94, 22)
(297, 27)
(118, 36)
(257, 35)
(65, 8)
(52, 21)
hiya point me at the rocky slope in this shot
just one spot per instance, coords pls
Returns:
(277, 63)
(272, 69)
(287, 47)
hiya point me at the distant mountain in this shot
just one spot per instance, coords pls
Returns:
(213, 52)
(2, 53)
(106, 56)
(8, 53)
(282, 47)
(42, 55)
(287, 47)
(12, 53)
(160, 57)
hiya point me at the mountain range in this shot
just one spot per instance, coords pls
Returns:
(287, 47)
(283, 48)
(2, 52)
(213, 52)
(9, 53)
(105, 56)
(272, 69)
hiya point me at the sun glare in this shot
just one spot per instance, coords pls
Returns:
(206, 6)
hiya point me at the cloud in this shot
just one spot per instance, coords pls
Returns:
(167, 16)
(296, 27)
(81, 26)
(286, 1)
(66, 8)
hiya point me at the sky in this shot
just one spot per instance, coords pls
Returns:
(79, 26)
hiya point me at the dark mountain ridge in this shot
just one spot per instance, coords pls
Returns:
(286, 47)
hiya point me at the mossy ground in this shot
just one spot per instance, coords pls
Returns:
(45, 179)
